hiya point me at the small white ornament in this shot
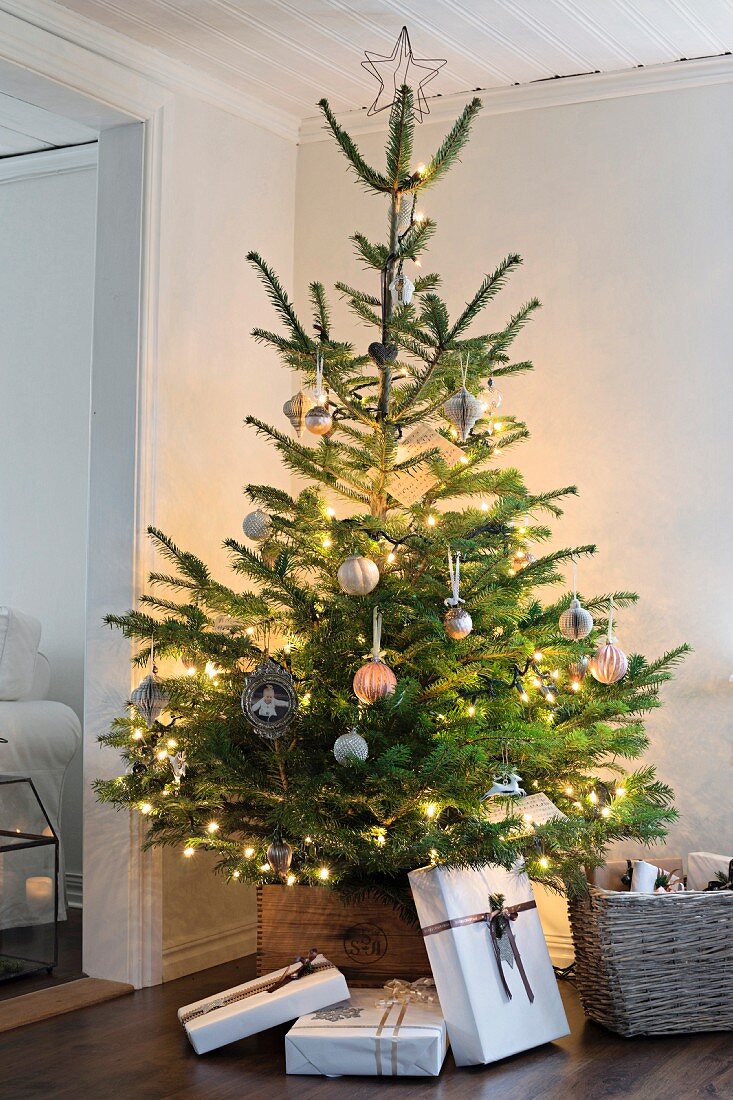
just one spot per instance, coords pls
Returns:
(318, 420)
(505, 784)
(349, 747)
(177, 762)
(463, 410)
(257, 525)
(358, 576)
(402, 289)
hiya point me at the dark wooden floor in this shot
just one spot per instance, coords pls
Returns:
(134, 1049)
(69, 964)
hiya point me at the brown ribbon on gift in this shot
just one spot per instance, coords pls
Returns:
(305, 965)
(499, 923)
(394, 1066)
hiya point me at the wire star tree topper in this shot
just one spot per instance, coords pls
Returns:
(393, 71)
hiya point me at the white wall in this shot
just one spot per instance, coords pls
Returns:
(46, 289)
(228, 187)
(622, 212)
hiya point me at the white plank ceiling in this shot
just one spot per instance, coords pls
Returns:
(288, 53)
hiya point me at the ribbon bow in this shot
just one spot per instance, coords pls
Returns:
(401, 992)
(454, 572)
(305, 968)
(499, 919)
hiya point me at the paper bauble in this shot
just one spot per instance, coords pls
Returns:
(280, 856)
(257, 525)
(575, 622)
(150, 698)
(296, 409)
(358, 576)
(349, 747)
(318, 420)
(463, 410)
(374, 681)
(609, 664)
(457, 623)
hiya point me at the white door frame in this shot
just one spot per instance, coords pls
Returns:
(122, 885)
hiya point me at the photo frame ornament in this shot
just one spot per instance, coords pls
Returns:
(283, 699)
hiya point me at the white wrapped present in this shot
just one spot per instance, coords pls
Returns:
(704, 867)
(372, 1034)
(489, 958)
(303, 986)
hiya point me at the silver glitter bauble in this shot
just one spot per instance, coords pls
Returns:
(150, 698)
(257, 525)
(318, 420)
(457, 623)
(575, 622)
(349, 747)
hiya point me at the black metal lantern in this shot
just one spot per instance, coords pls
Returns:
(29, 877)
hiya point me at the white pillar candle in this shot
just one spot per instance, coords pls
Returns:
(39, 891)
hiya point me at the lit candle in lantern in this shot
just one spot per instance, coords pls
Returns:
(39, 891)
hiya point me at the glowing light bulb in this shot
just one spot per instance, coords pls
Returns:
(188, 851)
(569, 790)
(524, 697)
(137, 735)
(248, 853)
(145, 808)
(484, 506)
(538, 655)
(330, 512)
(536, 681)
(605, 812)
(265, 867)
(162, 755)
(593, 797)
(464, 459)
(291, 880)
(323, 873)
(327, 544)
(498, 425)
(419, 216)
(550, 697)
(171, 744)
(544, 862)
(391, 557)
(305, 701)
(555, 673)
(420, 170)
(472, 711)
(620, 792)
(527, 818)
(211, 670)
(431, 809)
(212, 827)
(249, 631)
(236, 874)
(575, 686)
(431, 520)
(577, 806)
(307, 839)
(433, 854)
(380, 839)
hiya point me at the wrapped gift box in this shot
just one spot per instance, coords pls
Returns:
(362, 1036)
(493, 1006)
(265, 1002)
(704, 867)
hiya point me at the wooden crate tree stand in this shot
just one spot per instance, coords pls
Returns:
(368, 940)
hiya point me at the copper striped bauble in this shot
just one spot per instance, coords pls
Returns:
(575, 622)
(280, 856)
(296, 410)
(374, 681)
(609, 664)
(463, 410)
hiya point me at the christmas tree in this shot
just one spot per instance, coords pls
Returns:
(333, 723)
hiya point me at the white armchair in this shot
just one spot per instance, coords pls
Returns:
(42, 735)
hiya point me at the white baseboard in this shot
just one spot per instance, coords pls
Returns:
(211, 950)
(561, 950)
(74, 889)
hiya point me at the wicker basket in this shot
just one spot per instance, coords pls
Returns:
(655, 964)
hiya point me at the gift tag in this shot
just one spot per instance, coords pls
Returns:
(535, 809)
(409, 486)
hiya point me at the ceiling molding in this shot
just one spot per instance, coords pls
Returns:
(559, 92)
(90, 43)
(51, 162)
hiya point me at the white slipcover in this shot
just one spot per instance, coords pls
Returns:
(20, 635)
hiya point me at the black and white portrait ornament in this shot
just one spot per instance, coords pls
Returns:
(269, 702)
